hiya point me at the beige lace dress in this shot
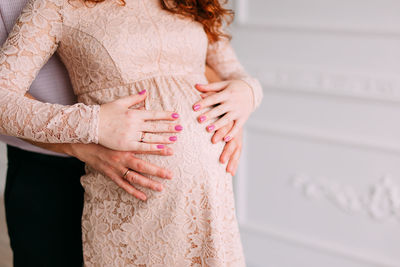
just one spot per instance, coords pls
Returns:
(112, 51)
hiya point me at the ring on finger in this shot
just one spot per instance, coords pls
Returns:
(142, 137)
(126, 173)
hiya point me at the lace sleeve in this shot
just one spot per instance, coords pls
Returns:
(222, 58)
(33, 40)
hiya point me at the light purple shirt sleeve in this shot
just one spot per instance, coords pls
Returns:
(52, 84)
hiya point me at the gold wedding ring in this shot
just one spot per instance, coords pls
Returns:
(126, 173)
(142, 137)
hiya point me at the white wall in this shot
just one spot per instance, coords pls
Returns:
(319, 184)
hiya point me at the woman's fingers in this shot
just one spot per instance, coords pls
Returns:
(142, 166)
(224, 120)
(167, 151)
(161, 127)
(221, 132)
(213, 113)
(136, 178)
(158, 115)
(234, 131)
(145, 147)
(159, 139)
(131, 100)
(210, 100)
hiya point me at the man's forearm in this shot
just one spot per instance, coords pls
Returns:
(58, 148)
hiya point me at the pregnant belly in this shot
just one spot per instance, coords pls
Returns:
(195, 162)
(193, 151)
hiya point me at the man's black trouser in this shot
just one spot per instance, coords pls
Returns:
(43, 202)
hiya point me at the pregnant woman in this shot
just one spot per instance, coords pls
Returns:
(157, 49)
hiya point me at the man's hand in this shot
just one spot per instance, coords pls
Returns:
(114, 165)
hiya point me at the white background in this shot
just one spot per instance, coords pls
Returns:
(319, 181)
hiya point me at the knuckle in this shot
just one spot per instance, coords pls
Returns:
(130, 113)
(131, 190)
(140, 166)
(146, 182)
(115, 158)
(162, 173)
(133, 178)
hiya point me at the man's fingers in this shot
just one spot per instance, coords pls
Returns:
(163, 152)
(135, 178)
(130, 189)
(234, 161)
(206, 94)
(142, 166)
(227, 152)
(215, 87)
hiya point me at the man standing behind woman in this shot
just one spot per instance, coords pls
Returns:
(43, 195)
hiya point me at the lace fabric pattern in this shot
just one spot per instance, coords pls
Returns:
(112, 51)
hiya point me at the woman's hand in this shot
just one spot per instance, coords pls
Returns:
(232, 101)
(122, 128)
(232, 149)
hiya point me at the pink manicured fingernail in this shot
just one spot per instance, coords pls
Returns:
(196, 107)
(202, 118)
(178, 128)
(227, 138)
(142, 92)
(175, 115)
(211, 127)
(173, 138)
(160, 146)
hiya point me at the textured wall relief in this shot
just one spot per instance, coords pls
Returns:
(380, 201)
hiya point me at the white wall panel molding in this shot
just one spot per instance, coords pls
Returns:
(241, 23)
(240, 183)
(368, 21)
(318, 135)
(330, 83)
(339, 250)
(381, 201)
